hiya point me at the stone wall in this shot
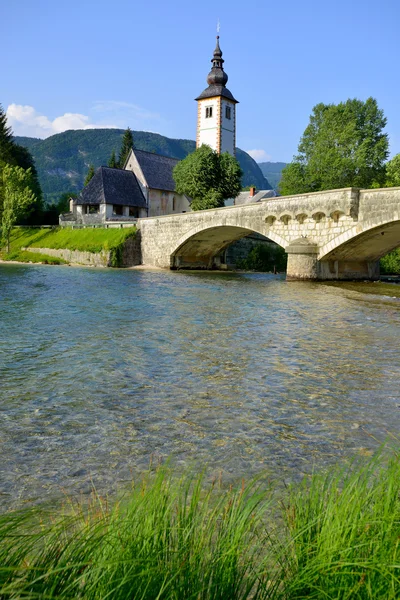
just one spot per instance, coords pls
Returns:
(129, 255)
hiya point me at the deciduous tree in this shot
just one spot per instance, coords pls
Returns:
(343, 146)
(208, 178)
(393, 172)
(18, 198)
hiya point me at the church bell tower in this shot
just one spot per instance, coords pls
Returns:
(216, 110)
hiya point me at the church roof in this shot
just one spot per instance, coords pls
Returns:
(112, 186)
(157, 170)
(217, 78)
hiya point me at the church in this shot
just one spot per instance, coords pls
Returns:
(145, 186)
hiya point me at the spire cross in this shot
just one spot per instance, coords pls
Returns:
(218, 25)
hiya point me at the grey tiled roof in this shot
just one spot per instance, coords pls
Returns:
(216, 90)
(112, 186)
(157, 170)
(245, 198)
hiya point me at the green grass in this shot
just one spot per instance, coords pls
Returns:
(332, 537)
(84, 240)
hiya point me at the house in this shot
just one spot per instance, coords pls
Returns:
(252, 196)
(111, 195)
(145, 187)
(154, 174)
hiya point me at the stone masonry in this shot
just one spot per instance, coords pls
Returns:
(337, 234)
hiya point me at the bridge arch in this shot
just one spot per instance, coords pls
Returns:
(200, 246)
(363, 242)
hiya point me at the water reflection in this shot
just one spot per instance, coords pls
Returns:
(102, 369)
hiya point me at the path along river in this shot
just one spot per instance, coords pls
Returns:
(100, 370)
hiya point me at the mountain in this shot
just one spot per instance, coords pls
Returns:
(273, 172)
(62, 160)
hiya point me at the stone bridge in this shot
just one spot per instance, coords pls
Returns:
(337, 234)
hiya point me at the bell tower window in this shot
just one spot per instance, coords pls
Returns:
(228, 112)
(209, 112)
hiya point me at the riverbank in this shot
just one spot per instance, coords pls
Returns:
(333, 536)
(97, 247)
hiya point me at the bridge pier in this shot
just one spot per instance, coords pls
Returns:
(302, 260)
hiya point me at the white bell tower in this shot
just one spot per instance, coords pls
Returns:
(216, 110)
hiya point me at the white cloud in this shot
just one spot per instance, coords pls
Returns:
(25, 120)
(259, 155)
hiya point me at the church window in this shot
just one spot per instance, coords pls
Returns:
(228, 112)
(133, 211)
(209, 112)
(173, 203)
(118, 210)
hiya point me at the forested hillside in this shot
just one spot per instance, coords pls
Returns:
(273, 172)
(62, 160)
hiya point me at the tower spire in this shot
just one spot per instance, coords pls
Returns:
(216, 115)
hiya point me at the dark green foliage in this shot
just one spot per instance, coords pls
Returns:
(113, 161)
(89, 175)
(6, 138)
(343, 146)
(390, 264)
(52, 211)
(208, 178)
(264, 258)
(62, 160)
(126, 147)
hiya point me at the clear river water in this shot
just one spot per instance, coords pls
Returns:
(104, 371)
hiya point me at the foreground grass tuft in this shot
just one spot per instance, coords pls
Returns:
(332, 537)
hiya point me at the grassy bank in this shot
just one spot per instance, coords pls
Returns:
(334, 537)
(83, 240)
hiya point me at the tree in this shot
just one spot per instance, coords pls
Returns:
(13, 154)
(343, 146)
(18, 198)
(208, 178)
(112, 162)
(393, 172)
(89, 175)
(126, 147)
(23, 158)
(6, 138)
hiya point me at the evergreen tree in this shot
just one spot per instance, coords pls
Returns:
(89, 175)
(6, 138)
(112, 162)
(126, 146)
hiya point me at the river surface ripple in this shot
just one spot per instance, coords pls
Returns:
(101, 370)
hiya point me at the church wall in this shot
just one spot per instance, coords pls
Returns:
(162, 203)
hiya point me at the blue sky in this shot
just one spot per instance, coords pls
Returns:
(81, 64)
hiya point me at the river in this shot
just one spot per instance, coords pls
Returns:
(105, 371)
